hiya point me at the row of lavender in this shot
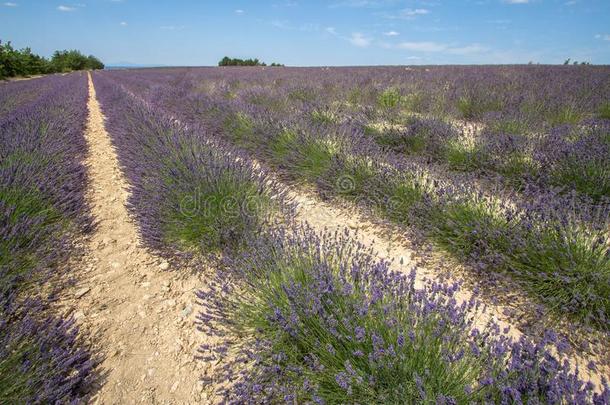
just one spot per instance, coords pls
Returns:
(554, 245)
(42, 208)
(311, 318)
(552, 145)
(541, 96)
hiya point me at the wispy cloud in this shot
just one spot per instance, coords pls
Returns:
(172, 27)
(517, 1)
(424, 46)
(603, 37)
(362, 3)
(9, 4)
(66, 8)
(430, 47)
(123, 24)
(360, 40)
(331, 30)
(239, 11)
(286, 3)
(304, 27)
(391, 33)
(281, 24)
(406, 14)
(467, 50)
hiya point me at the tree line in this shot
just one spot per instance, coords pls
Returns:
(226, 61)
(22, 62)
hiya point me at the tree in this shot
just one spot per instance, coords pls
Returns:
(226, 61)
(24, 63)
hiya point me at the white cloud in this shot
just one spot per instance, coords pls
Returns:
(362, 3)
(517, 1)
(391, 33)
(331, 30)
(281, 24)
(429, 47)
(9, 4)
(604, 37)
(123, 24)
(406, 14)
(359, 40)
(467, 50)
(424, 46)
(412, 12)
(65, 8)
(239, 11)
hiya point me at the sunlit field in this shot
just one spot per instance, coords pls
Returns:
(430, 234)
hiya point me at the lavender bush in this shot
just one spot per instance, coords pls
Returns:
(320, 321)
(187, 191)
(42, 209)
(571, 277)
(41, 358)
(39, 212)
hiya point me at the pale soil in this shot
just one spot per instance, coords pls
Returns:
(137, 314)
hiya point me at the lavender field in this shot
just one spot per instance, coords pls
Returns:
(388, 235)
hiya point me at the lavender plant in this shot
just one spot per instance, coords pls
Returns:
(489, 238)
(41, 358)
(187, 191)
(39, 212)
(320, 321)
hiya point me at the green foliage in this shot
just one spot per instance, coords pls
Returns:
(462, 157)
(508, 127)
(403, 195)
(313, 158)
(240, 128)
(302, 94)
(412, 144)
(66, 61)
(604, 111)
(324, 116)
(23, 62)
(26, 203)
(516, 165)
(566, 115)
(567, 264)
(413, 102)
(217, 222)
(226, 61)
(587, 177)
(281, 145)
(472, 107)
(389, 98)
(457, 227)
(422, 353)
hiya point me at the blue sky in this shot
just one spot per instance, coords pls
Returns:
(310, 32)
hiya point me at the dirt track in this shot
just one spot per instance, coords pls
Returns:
(138, 313)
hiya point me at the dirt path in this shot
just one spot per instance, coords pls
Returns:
(138, 313)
